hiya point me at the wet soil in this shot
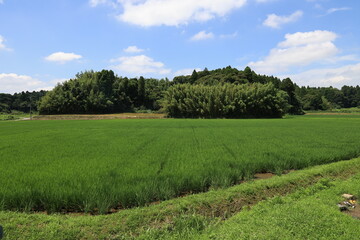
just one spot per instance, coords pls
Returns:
(355, 212)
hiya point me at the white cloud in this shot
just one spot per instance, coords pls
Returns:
(138, 65)
(11, 83)
(332, 10)
(232, 35)
(2, 45)
(305, 38)
(1, 1)
(95, 3)
(58, 80)
(275, 21)
(186, 71)
(265, 1)
(133, 49)
(203, 35)
(336, 77)
(299, 49)
(148, 13)
(62, 57)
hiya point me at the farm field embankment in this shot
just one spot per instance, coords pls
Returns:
(104, 165)
(293, 204)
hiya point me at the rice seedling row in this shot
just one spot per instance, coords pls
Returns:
(96, 166)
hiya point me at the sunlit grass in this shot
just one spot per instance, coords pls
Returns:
(103, 164)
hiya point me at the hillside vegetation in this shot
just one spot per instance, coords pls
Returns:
(104, 92)
(247, 95)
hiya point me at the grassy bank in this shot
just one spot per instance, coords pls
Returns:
(311, 213)
(204, 215)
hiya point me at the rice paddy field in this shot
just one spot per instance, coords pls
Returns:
(101, 166)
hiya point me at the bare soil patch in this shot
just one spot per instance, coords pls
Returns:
(355, 212)
(263, 175)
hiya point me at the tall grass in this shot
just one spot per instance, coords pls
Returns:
(98, 165)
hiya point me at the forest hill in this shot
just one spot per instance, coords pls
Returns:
(222, 92)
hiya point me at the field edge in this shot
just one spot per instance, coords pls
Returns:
(204, 209)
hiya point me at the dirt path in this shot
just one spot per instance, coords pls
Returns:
(100, 116)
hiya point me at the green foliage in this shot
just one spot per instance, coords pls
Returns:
(226, 75)
(225, 101)
(98, 165)
(328, 98)
(102, 92)
(295, 106)
(20, 101)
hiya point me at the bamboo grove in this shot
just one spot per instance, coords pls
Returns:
(225, 101)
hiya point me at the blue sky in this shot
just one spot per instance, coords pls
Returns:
(315, 42)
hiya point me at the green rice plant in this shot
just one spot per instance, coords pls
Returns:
(96, 166)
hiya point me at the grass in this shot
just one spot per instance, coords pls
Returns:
(14, 116)
(354, 110)
(197, 216)
(311, 213)
(96, 166)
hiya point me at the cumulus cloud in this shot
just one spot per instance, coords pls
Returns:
(62, 57)
(58, 80)
(186, 71)
(11, 83)
(305, 38)
(133, 49)
(203, 35)
(336, 77)
(139, 65)
(148, 13)
(275, 21)
(299, 49)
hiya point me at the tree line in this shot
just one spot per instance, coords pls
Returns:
(23, 101)
(213, 94)
(103, 92)
(325, 98)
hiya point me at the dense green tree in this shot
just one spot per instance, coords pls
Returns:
(328, 97)
(248, 74)
(295, 106)
(141, 91)
(194, 77)
(20, 101)
(103, 92)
